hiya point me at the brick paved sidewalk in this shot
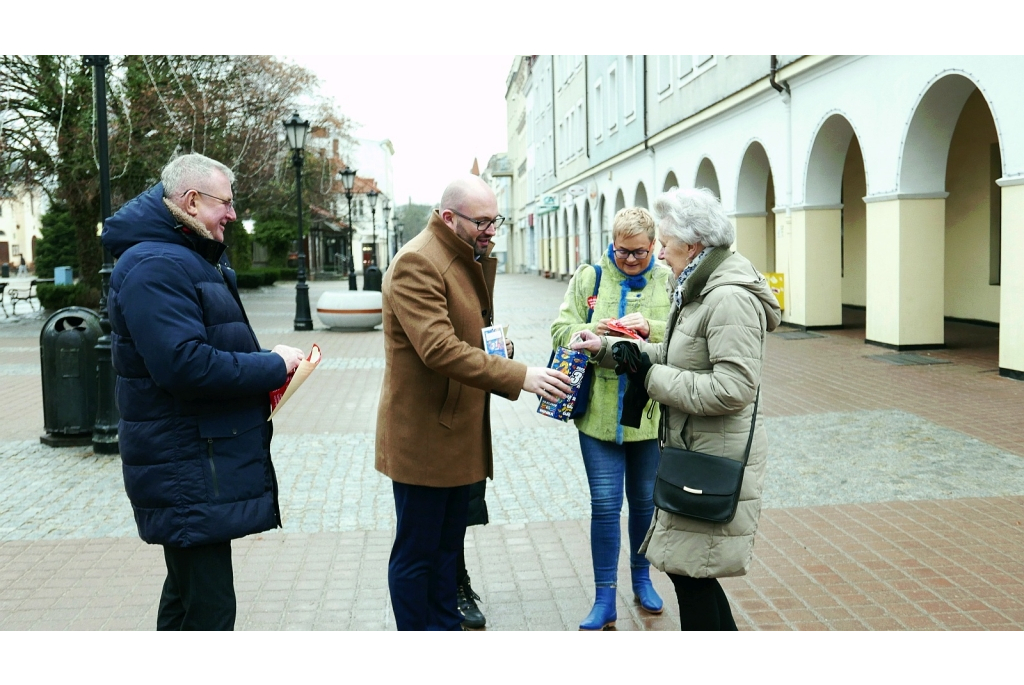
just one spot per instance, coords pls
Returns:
(923, 565)
(894, 497)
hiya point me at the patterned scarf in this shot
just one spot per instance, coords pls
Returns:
(690, 268)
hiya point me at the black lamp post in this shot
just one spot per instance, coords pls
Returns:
(387, 211)
(296, 129)
(348, 179)
(372, 197)
(104, 431)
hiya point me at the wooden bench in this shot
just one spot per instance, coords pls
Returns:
(23, 295)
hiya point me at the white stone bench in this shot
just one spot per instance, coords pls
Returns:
(350, 310)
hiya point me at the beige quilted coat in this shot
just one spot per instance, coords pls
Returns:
(707, 371)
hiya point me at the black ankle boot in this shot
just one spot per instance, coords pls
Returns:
(474, 618)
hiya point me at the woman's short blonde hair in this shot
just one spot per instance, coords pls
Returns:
(632, 221)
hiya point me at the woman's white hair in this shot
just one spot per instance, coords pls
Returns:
(189, 172)
(694, 215)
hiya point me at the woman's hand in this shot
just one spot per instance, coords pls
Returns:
(586, 340)
(602, 329)
(638, 323)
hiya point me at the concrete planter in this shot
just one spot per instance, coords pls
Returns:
(350, 310)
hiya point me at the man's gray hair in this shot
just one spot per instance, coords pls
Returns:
(190, 172)
(694, 215)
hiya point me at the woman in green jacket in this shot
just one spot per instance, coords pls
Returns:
(634, 291)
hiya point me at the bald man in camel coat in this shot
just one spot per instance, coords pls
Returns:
(433, 421)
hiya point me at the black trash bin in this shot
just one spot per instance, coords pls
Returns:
(67, 347)
(5, 270)
(373, 277)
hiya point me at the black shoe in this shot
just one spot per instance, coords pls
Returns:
(473, 617)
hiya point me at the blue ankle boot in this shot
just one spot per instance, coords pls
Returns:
(603, 613)
(644, 591)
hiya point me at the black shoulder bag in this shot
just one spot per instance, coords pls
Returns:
(583, 395)
(698, 485)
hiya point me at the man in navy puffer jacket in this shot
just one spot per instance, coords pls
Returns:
(192, 385)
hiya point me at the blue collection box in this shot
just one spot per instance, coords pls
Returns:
(573, 364)
(62, 275)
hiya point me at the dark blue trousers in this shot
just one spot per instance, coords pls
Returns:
(421, 571)
(199, 592)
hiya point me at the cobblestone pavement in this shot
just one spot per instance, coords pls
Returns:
(892, 500)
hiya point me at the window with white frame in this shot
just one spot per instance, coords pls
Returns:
(690, 67)
(598, 111)
(561, 141)
(684, 65)
(612, 99)
(629, 88)
(664, 63)
(580, 128)
(570, 130)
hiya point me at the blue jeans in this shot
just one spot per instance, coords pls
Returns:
(421, 571)
(608, 467)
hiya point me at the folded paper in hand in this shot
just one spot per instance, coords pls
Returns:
(297, 378)
(619, 328)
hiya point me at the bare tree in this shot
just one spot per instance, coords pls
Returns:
(226, 107)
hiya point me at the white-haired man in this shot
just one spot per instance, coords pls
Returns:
(192, 389)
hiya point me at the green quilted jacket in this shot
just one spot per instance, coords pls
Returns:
(602, 418)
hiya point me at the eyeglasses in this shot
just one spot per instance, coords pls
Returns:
(626, 254)
(482, 224)
(229, 203)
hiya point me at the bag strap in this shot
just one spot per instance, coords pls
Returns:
(663, 428)
(753, 421)
(597, 286)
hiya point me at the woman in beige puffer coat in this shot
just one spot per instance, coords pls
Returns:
(706, 375)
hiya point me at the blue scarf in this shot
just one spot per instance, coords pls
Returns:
(637, 282)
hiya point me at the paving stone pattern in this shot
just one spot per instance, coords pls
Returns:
(894, 496)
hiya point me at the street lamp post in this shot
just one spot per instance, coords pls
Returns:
(387, 211)
(372, 197)
(398, 228)
(348, 179)
(296, 129)
(104, 431)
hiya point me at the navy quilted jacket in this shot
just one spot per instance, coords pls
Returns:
(192, 383)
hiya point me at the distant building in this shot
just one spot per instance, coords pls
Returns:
(21, 213)
(373, 162)
(329, 242)
(498, 175)
(522, 244)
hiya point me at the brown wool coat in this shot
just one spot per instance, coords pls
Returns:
(433, 421)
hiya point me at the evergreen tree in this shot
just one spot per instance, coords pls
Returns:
(57, 246)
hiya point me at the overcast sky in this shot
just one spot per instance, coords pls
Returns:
(438, 111)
